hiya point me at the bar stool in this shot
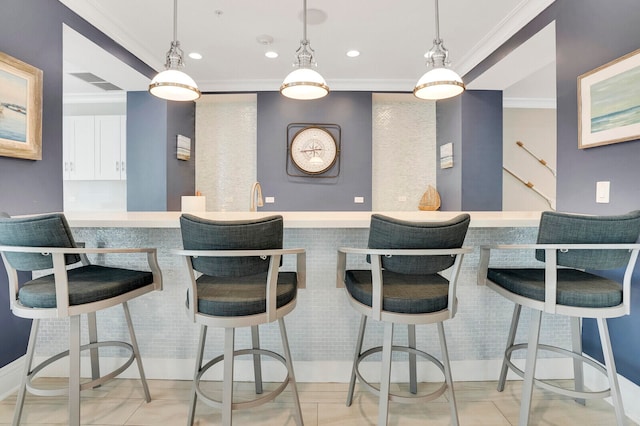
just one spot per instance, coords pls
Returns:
(45, 242)
(239, 284)
(404, 286)
(568, 245)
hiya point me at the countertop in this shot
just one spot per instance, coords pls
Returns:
(298, 219)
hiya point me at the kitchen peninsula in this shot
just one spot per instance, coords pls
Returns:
(323, 327)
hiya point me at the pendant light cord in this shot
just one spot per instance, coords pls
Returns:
(437, 24)
(304, 20)
(175, 20)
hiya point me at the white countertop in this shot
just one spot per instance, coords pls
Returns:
(295, 219)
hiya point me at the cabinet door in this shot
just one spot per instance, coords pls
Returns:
(78, 148)
(123, 147)
(107, 137)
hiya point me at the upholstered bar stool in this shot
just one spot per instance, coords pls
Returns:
(69, 287)
(405, 286)
(568, 245)
(234, 281)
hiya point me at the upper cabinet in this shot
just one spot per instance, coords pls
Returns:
(94, 147)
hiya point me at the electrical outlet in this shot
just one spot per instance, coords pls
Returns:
(402, 198)
(358, 200)
(269, 200)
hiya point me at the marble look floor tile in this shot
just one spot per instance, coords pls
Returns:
(120, 402)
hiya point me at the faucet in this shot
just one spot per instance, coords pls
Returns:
(256, 191)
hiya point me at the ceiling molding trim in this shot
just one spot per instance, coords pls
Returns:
(511, 24)
(95, 98)
(370, 85)
(94, 14)
(536, 103)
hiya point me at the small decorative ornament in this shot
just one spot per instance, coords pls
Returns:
(430, 200)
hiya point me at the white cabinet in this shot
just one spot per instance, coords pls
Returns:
(110, 155)
(94, 147)
(78, 148)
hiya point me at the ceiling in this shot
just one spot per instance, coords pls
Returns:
(391, 36)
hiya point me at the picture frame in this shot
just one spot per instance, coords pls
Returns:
(609, 102)
(20, 109)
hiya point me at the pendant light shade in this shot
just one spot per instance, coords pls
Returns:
(172, 84)
(304, 82)
(440, 81)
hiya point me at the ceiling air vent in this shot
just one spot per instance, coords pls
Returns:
(95, 80)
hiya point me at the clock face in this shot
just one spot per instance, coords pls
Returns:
(313, 150)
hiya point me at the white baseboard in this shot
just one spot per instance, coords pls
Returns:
(333, 371)
(10, 377)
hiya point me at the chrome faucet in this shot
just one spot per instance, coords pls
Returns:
(256, 192)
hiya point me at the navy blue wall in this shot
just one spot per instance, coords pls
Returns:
(473, 123)
(32, 32)
(146, 152)
(156, 179)
(352, 112)
(181, 174)
(582, 44)
(449, 129)
(581, 48)
(482, 150)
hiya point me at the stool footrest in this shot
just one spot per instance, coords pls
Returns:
(406, 399)
(269, 396)
(554, 388)
(36, 390)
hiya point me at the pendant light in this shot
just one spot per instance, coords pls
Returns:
(304, 82)
(172, 84)
(440, 82)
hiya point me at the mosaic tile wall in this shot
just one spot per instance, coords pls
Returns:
(404, 151)
(226, 154)
(323, 326)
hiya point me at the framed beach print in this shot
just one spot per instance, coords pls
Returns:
(609, 102)
(20, 109)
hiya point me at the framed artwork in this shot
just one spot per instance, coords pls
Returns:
(609, 102)
(20, 109)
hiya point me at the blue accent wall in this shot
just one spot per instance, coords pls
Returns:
(156, 179)
(31, 31)
(472, 122)
(352, 112)
(449, 130)
(582, 44)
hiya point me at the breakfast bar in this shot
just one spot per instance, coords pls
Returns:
(323, 327)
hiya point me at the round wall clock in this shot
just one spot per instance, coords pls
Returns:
(313, 150)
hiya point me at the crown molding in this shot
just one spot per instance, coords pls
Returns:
(267, 85)
(536, 103)
(511, 24)
(92, 12)
(95, 98)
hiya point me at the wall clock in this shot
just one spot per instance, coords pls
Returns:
(313, 149)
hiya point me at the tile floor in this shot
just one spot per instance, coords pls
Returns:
(120, 402)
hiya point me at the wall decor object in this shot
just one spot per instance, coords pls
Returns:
(313, 150)
(20, 109)
(183, 145)
(609, 102)
(446, 155)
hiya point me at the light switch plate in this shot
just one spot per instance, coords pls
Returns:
(602, 191)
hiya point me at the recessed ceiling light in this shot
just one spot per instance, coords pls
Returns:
(195, 55)
(271, 54)
(353, 53)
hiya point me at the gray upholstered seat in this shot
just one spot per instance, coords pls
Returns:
(240, 285)
(405, 285)
(69, 286)
(573, 247)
